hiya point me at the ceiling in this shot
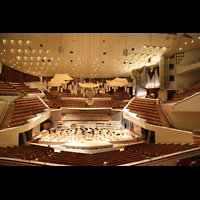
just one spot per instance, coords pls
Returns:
(95, 55)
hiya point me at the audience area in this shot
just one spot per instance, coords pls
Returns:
(145, 109)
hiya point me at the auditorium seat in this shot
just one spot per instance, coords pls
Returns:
(25, 109)
(145, 109)
(6, 89)
(25, 152)
(188, 92)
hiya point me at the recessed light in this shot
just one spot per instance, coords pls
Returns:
(192, 41)
(103, 40)
(71, 52)
(73, 39)
(180, 48)
(104, 53)
(185, 42)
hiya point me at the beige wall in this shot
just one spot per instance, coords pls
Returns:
(162, 134)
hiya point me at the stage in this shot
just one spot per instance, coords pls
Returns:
(86, 136)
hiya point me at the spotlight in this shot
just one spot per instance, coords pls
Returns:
(125, 52)
(60, 48)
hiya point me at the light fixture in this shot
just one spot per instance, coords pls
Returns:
(180, 48)
(60, 48)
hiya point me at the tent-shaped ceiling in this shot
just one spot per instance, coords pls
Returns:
(59, 80)
(117, 82)
(89, 85)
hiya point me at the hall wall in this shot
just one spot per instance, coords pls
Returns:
(11, 75)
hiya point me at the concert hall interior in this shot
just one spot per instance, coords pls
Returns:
(99, 99)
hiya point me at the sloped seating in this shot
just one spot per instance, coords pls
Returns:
(115, 157)
(145, 109)
(6, 89)
(159, 149)
(189, 91)
(25, 109)
(23, 88)
(25, 152)
(121, 95)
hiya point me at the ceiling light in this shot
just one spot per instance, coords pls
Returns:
(185, 42)
(192, 41)
(180, 48)
(60, 48)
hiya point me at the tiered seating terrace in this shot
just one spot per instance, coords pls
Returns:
(190, 91)
(23, 88)
(25, 109)
(6, 89)
(145, 109)
(25, 152)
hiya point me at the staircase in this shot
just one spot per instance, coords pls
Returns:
(6, 121)
(162, 116)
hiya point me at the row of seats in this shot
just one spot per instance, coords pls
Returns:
(153, 149)
(25, 152)
(25, 109)
(121, 95)
(145, 109)
(132, 153)
(57, 103)
(6, 89)
(189, 161)
(23, 88)
(115, 157)
(190, 91)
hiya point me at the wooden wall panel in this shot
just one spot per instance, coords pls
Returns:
(12, 75)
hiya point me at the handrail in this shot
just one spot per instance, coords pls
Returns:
(185, 99)
(180, 68)
(190, 63)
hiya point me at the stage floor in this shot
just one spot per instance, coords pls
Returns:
(88, 136)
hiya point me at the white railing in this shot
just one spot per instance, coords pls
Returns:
(180, 68)
(185, 99)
